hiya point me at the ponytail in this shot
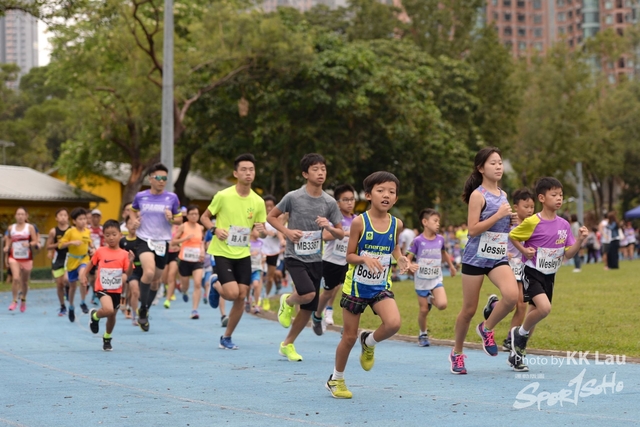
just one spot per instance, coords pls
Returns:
(474, 181)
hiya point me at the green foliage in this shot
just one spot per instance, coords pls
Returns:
(362, 85)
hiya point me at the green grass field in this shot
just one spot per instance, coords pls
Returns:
(595, 310)
(6, 287)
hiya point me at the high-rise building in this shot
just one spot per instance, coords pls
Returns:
(19, 40)
(529, 27)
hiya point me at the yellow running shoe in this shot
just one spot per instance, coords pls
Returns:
(266, 304)
(285, 311)
(173, 297)
(167, 304)
(366, 356)
(338, 388)
(289, 351)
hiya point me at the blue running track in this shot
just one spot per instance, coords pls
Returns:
(54, 373)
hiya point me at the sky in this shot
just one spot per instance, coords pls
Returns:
(44, 48)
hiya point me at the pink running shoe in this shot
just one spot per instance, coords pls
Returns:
(23, 306)
(13, 306)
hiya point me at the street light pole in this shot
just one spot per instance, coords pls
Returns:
(4, 145)
(166, 155)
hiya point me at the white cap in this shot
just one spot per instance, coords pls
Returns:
(96, 212)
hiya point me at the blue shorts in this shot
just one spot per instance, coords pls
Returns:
(425, 294)
(256, 276)
(74, 275)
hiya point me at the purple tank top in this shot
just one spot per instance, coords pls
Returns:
(492, 204)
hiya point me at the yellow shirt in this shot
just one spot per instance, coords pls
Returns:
(463, 237)
(236, 215)
(77, 255)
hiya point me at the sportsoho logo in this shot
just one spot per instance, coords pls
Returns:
(577, 388)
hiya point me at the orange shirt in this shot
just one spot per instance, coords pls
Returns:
(192, 248)
(112, 264)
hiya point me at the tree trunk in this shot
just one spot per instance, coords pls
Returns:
(185, 168)
(133, 184)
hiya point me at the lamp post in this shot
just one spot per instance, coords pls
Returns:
(4, 145)
(166, 153)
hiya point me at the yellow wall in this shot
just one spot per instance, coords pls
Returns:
(41, 214)
(107, 188)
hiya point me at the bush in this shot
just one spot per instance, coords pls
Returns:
(42, 273)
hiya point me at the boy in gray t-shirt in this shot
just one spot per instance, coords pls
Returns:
(310, 211)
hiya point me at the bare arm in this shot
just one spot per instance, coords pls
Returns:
(51, 244)
(476, 203)
(573, 250)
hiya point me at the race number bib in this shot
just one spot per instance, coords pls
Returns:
(19, 250)
(492, 245)
(548, 261)
(238, 236)
(366, 276)
(340, 247)
(191, 254)
(309, 244)
(517, 267)
(111, 278)
(428, 269)
(158, 246)
(256, 262)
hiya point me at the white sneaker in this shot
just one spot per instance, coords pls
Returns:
(328, 317)
(577, 270)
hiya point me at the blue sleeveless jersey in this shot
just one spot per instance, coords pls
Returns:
(362, 282)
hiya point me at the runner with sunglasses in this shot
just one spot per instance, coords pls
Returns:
(155, 211)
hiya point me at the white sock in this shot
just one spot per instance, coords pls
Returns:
(522, 332)
(369, 341)
(337, 375)
(423, 332)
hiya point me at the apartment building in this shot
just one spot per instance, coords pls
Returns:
(19, 40)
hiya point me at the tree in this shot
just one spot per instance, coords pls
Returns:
(442, 27)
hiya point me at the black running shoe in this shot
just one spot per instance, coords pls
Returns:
(72, 314)
(94, 325)
(84, 307)
(493, 299)
(106, 344)
(517, 363)
(506, 344)
(317, 324)
(518, 342)
(143, 320)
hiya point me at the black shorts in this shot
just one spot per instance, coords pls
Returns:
(536, 283)
(333, 274)
(136, 274)
(186, 268)
(115, 298)
(306, 277)
(605, 248)
(142, 247)
(172, 257)
(356, 305)
(272, 260)
(234, 270)
(472, 270)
